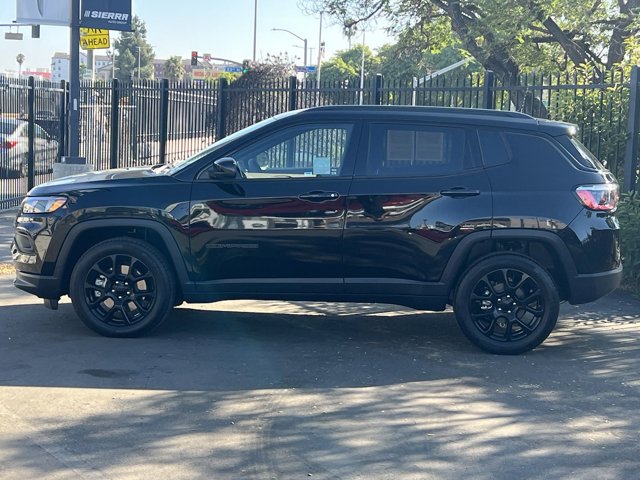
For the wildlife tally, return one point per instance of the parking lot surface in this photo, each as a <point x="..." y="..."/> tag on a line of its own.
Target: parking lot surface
<point x="278" y="390"/>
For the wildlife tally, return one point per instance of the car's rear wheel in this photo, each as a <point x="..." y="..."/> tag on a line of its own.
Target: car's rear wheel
<point x="506" y="304"/>
<point x="122" y="287"/>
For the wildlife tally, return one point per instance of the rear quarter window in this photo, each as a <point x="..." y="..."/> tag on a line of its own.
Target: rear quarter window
<point x="533" y="149"/>
<point x="581" y="154"/>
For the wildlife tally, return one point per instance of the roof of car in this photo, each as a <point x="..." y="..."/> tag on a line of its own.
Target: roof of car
<point x="475" y="116"/>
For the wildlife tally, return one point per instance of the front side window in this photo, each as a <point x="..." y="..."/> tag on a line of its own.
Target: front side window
<point x="415" y="150"/>
<point x="296" y="152"/>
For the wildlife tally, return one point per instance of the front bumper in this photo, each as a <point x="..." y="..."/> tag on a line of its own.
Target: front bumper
<point x="39" y="285"/>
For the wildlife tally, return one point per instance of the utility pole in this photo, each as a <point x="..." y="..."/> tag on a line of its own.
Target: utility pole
<point x="74" y="81"/>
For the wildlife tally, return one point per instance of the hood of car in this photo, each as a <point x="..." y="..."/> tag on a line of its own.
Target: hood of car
<point x="99" y="179"/>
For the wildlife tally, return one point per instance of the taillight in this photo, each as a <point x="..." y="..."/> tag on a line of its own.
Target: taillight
<point x="9" y="144"/>
<point x="600" y="197"/>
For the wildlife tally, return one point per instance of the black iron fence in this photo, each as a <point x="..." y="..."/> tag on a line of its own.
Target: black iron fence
<point x="32" y="135"/>
<point x="126" y="124"/>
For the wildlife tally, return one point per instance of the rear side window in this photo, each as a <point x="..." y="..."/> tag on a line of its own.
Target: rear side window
<point x="495" y="150"/>
<point x="401" y="150"/>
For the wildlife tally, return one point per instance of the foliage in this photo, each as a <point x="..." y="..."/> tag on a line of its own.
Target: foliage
<point x="264" y="87"/>
<point x="506" y="36"/>
<point x="174" y="69"/>
<point x="230" y="77"/>
<point x="274" y="67"/>
<point x="403" y="62"/>
<point x="346" y="64"/>
<point x="601" y="113"/>
<point x="132" y="46"/>
<point x="629" y="216"/>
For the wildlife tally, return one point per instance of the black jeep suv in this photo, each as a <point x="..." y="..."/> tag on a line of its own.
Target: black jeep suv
<point x="498" y="214"/>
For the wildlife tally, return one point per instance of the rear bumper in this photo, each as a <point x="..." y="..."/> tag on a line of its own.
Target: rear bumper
<point x="589" y="287"/>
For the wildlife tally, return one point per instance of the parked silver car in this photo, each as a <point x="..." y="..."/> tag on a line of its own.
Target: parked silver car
<point x="14" y="148"/>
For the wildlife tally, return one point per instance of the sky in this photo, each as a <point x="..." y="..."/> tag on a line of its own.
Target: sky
<point x="222" y="28"/>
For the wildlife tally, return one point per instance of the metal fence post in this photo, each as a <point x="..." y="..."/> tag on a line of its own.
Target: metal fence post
<point x="293" y="94"/>
<point x="115" y="123"/>
<point x="31" y="109"/>
<point x="633" y="130"/>
<point x="164" y="119"/>
<point x="221" y="110"/>
<point x="487" y="90"/>
<point x="377" y="90"/>
<point x="62" y="131"/>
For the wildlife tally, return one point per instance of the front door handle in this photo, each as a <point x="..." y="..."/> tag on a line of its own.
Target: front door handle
<point x="460" y="192"/>
<point x="318" y="196"/>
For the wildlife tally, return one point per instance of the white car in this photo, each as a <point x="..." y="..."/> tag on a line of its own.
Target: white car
<point x="14" y="148"/>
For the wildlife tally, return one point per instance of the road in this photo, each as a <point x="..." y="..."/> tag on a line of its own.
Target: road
<point x="279" y="390"/>
<point x="6" y="234"/>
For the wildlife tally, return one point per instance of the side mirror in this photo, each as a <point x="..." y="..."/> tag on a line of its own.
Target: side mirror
<point x="224" y="168"/>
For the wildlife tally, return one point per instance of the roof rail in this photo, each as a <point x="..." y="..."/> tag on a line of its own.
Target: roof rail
<point x="456" y="110"/>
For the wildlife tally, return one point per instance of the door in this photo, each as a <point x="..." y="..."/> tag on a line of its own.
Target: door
<point x="278" y="228"/>
<point x="417" y="192"/>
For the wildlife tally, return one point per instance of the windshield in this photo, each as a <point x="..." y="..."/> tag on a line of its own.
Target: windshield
<point x="220" y="143"/>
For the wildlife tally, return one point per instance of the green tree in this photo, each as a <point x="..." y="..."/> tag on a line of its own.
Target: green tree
<point x="133" y="49"/>
<point x="507" y="36"/>
<point x="269" y="76"/>
<point x="174" y="69"/>
<point x="20" y="59"/>
<point x="401" y="62"/>
<point x="346" y="64"/>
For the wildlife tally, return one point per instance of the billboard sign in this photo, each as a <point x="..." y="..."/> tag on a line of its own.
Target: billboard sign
<point x="44" y="12"/>
<point x="106" y="14"/>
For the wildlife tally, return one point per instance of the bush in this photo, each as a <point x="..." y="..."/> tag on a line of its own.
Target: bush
<point x="629" y="216"/>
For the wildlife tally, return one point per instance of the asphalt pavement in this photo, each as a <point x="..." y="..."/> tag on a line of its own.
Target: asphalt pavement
<point x="6" y="234"/>
<point x="288" y="390"/>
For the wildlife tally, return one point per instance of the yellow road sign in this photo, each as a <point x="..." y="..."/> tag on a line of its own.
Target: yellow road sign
<point x="94" y="38"/>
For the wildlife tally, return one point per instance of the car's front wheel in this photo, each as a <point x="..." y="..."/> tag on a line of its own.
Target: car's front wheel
<point x="122" y="287"/>
<point x="506" y="304"/>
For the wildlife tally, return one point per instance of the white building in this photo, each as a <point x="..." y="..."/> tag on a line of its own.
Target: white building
<point x="60" y="66"/>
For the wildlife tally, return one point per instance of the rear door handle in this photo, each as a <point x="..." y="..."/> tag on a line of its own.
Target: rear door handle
<point x="318" y="196"/>
<point x="459" y="192"/>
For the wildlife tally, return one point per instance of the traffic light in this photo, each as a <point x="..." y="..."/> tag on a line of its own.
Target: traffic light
<point x="35" y="31"/>
<point x="245" y="66"/>
<point x="194" y="59"/>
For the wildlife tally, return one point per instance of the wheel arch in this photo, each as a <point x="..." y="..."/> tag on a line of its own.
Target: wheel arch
<point x="87" y="233"/>
<point x="545" y="248"/>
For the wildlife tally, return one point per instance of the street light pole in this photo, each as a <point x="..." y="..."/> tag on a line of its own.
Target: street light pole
<point x="319" y="67"/>
<point x="255" y="27"/>
<point x="304" y="40"/>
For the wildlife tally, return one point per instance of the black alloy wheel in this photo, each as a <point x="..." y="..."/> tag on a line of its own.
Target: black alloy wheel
<point x="507" y="304"/>
<point x="122" y="287"/>
<point x="120" y="290"/>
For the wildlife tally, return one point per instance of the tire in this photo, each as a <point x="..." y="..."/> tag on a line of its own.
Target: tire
<point x="122" y="287"/>
<point x="506" y="304"/>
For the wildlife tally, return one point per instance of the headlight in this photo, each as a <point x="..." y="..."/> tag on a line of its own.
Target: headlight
<point x="42" y="204"/>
